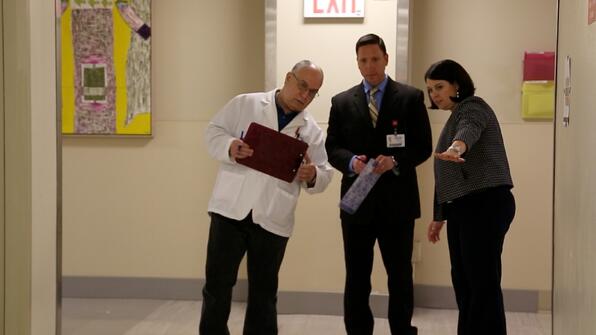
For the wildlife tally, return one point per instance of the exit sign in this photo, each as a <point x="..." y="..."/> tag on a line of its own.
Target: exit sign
<point x="333" y="8"/>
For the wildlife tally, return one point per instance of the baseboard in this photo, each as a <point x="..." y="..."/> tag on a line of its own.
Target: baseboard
<point x="140" y="288"/>
<point x="289" y="302"/>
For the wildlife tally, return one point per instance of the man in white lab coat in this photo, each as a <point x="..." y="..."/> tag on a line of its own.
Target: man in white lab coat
<point x="252" y="212"/>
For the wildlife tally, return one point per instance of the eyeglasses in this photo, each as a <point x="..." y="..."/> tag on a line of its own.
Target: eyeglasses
<point x="303" y="87"/>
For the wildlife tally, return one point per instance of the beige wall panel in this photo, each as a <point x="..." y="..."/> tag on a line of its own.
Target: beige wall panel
<point x="527" y="254"/>
<point x="575" y="213"/>
<point x="204" y="53"/>
<point x="137" y="207"/>
<point x="17" y="156"/>
<point x="44" y="167"/>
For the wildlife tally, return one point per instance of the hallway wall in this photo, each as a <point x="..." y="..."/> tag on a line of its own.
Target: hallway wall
<point x="29" y="168"/>
<point x="574" y="268"/>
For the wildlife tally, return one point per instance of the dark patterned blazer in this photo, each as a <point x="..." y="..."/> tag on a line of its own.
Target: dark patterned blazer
<point x="350" y="132"/>
<point x="475" y="123"/>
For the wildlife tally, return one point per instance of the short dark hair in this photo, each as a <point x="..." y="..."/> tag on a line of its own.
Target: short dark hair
<point x="371" y="39"/>
<point x="450" y="71"/>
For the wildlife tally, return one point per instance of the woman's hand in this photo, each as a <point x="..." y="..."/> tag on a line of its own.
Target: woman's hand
<point x="453" y="153"/>
<point x="434" y="231"/>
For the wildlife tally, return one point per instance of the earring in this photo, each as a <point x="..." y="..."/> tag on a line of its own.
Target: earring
<point x="457" y="94"/>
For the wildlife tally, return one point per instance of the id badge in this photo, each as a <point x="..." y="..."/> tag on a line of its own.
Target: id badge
<point x="396" y="141"/>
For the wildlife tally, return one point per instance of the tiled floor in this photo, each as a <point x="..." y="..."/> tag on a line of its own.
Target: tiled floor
<point x="160" y="317"/>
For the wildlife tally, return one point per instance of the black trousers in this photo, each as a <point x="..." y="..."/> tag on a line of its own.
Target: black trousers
<point x="395" y="240"/>
<point x="229" y="240"/>
<point x="476" y="228"/>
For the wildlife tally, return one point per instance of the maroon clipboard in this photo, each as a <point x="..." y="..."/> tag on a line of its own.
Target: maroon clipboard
<point x="275" y="153"/>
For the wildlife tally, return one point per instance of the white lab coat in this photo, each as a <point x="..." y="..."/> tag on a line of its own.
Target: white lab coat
<point x="239" y="189"/>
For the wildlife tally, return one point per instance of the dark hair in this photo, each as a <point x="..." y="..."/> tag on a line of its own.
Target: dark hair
<point x="453" y="73"/>
<point x="371" y="39"/>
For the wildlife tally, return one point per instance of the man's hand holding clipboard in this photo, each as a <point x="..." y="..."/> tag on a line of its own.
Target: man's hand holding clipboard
<point x="274" y="153"/>
<point x="307" y="172"/>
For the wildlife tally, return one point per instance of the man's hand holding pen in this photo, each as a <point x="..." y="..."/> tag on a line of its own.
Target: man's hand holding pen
<point x="359" y="163"/>
<point x="239" y="149"/>
<point x="307" y="172"/>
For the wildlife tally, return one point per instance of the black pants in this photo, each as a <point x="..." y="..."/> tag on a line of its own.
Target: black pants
<point x="229" y="240"/>
<point x="395" y="240"/>
<point x="476" y="228"/>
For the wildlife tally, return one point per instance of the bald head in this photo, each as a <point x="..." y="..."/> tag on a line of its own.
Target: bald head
<point x="306" y="63"/>
<point x="301" y="85"/>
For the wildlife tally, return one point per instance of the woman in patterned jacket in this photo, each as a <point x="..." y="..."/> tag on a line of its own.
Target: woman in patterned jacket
<point x="472" y="195"/>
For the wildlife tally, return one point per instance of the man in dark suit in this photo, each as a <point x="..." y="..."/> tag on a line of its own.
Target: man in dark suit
<point x="392" y="128"/>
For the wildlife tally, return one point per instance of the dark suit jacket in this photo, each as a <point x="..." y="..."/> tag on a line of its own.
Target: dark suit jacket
<point x="350" y="132"/>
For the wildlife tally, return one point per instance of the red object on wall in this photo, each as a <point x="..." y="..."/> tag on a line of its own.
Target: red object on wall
<point x="539" y="65"/>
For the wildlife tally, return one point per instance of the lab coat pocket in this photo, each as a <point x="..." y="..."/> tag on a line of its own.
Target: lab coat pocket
<point x="281" y="208"/>
<point x="227" y="187"/>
